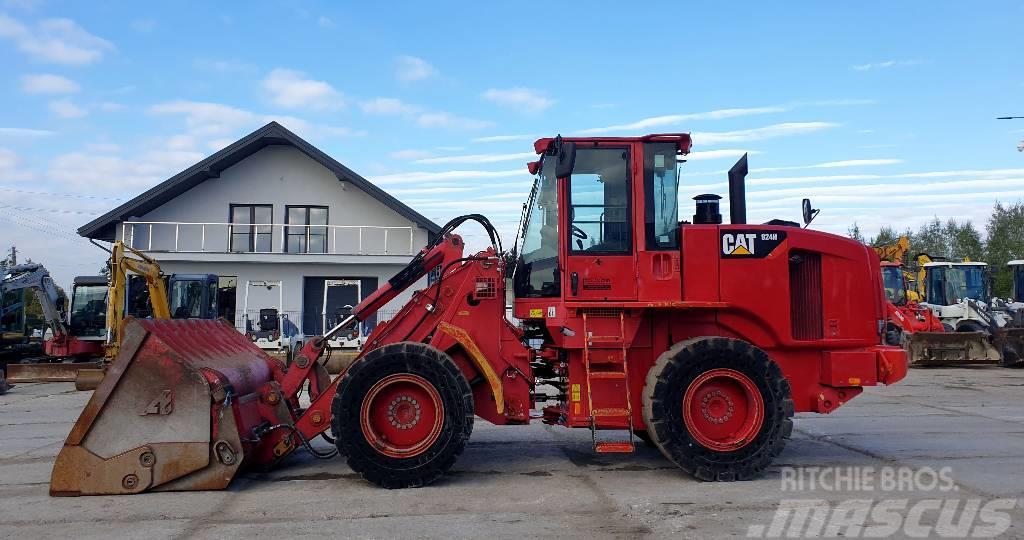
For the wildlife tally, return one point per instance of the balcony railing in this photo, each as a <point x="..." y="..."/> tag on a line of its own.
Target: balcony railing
<point x="188" y="237"/>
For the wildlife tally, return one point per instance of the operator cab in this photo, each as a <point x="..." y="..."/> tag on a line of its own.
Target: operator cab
<point x="947" y="283"/>
<point x="894" y="283"/>
<point x="1017" y="273"/>
<point x="193" y="296"/>
<point x="590" y="223"/>
<point x="87" y="318"/>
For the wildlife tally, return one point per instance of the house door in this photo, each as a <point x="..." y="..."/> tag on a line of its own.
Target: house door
<point x="340" y="296"/>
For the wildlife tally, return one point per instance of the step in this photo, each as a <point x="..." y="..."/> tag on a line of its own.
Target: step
<point x="609" y="447"/>
<point x="611" y="411"/>
<point x="607" y="375"/>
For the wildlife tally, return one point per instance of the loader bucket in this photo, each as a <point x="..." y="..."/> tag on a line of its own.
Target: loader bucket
<point x="1010" y="342"/>
<point x="951" y="348"/>
<point x="163" y="416"/>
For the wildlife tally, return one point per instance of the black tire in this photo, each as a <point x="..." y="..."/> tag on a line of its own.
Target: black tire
<point x="406" y="358"/>
<point x="667" y="383"/>
<point x="645" y="437"/>
<point x="893" y="334"/>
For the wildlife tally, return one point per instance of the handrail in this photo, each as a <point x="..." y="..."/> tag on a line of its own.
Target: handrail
<point x="172" y="235"/>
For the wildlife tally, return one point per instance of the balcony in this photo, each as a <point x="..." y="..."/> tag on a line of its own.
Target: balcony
<point x="277" y="239"/>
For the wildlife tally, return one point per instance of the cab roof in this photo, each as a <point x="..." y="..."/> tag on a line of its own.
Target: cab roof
<point x="681" y="139"/>
<point x="955" y="263"/>
<point x="1018" y="262"/>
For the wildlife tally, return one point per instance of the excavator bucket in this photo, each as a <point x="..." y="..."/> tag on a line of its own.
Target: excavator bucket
<point x="951" y="348"/>
<point x="169" y="412"/>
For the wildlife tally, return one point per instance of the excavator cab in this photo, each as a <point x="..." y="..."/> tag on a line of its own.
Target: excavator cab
<point x="87" y="318"/>
<point x="948" y="283"/>
<point x="193" y="296"/>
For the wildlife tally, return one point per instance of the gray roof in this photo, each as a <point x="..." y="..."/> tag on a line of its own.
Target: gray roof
<point x="103" y="227"/>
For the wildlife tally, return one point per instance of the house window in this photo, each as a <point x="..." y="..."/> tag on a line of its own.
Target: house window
<point x="251" y="227"/>
<point x="307" y="229"/>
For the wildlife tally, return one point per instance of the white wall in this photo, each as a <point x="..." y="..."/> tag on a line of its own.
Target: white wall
<point x="281" y="176"/>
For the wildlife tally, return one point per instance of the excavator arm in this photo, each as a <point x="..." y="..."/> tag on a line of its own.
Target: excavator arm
<point x="120" y="265"/>
<point x="35" y="276"/>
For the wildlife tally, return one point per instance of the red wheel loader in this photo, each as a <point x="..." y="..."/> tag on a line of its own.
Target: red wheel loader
<point x="701" y="337"/>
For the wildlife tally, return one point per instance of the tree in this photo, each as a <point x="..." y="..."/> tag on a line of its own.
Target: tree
<point x="886" y="235"/>
<point x="964" y="241"/>
<point x="854" y="232"/>
<point x="1004" y="243"/>
<point x="931" y="239"/>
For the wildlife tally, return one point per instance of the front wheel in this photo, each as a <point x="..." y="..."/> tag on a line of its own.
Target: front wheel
<point x="718" y="408"/>
<point x="402" y="415"/>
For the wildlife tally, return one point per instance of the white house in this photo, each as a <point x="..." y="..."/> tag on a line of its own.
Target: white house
<point x="284" y="226"/>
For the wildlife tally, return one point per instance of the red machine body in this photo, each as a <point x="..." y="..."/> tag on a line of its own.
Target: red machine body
<point x="905" y="317"/>
<point x="615" y="299"/>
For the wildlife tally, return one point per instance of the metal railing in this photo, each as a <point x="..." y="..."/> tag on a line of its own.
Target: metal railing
<point x="190" y="237"/>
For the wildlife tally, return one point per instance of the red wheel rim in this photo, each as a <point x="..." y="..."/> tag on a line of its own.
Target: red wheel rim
<point x="723" y="410"/>
<point x="402" y="415"/>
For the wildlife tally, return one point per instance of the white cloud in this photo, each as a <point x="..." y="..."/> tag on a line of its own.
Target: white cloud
<point x="442" y="176"/>
<point x="886" y="64"/>
<point x="58" y="41"/>
<point x="64" y="108"/>
<point x="11" y="168"/>
<point x="702" y="155"/>
<point x="223" y="66"/>
<point x="207" y="118"/>
<point x="451" y="121"/>
<point x="757" y="134"/>
<point x="523" y="99"/>
<point x="388" y="106"/>
<point x="144" y="26"/>
<point x="325" y="22"/>
<point x="114" y="173"/>
<point x="103" y="147"/>
<point x="676" y="119"/>
<point x="292" y="89"/>
<point x="405" y="155"/>
<point x="410" y="68"/>
<point x="428" y="190"/>
<point x="24" y="132"/>
<point x="110" y="106"/>
<point x="478" y="158"/>
<point x="504" y="138"/>
<point x="208" y="121"/>
<point x="46" y="83"/>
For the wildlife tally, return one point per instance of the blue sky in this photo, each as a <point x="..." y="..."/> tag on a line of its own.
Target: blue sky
<point x="882" y="112"/>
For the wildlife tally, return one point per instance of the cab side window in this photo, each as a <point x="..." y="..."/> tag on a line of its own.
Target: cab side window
<point x="599" y="202"/>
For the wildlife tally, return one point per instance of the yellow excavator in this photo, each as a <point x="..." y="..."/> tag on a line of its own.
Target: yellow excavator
<point x="120" y="266"/>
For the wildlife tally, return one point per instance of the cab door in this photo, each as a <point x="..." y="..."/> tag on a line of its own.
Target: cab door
<point x="598" y="232"/>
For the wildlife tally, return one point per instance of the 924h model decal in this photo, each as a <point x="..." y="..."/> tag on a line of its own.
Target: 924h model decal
<point x="749" y="244"/>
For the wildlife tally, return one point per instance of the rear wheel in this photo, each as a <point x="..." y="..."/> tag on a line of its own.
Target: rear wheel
<point x="718" y="408"/>
<point x="402" y="415"/>
<point x="969" y="326"/>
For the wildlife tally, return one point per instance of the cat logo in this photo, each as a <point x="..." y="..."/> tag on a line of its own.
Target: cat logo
<point x="738" y="244"/>
<point x="750" y="244"/>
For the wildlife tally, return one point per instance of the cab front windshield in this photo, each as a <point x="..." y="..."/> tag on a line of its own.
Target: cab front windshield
<point x="536" y="273"/>
<point x="89" y="311"/>
<point x="892" y="280"/>
<point x="948" y="285"/>
<point x="1018" y="283"/>
<point x="187" y="299"/>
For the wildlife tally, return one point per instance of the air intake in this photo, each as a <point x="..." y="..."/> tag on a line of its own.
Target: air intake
<point x="707" y="210"/>
<point x="805" y="304"/>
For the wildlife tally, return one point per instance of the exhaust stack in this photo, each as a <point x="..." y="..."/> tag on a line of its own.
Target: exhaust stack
<point x="738" y="192"/>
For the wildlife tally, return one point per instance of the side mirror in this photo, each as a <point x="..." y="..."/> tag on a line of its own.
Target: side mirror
<point x="566" y="160"/>
<point x="533" y="167"/>
<point x="809" y="212"/>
